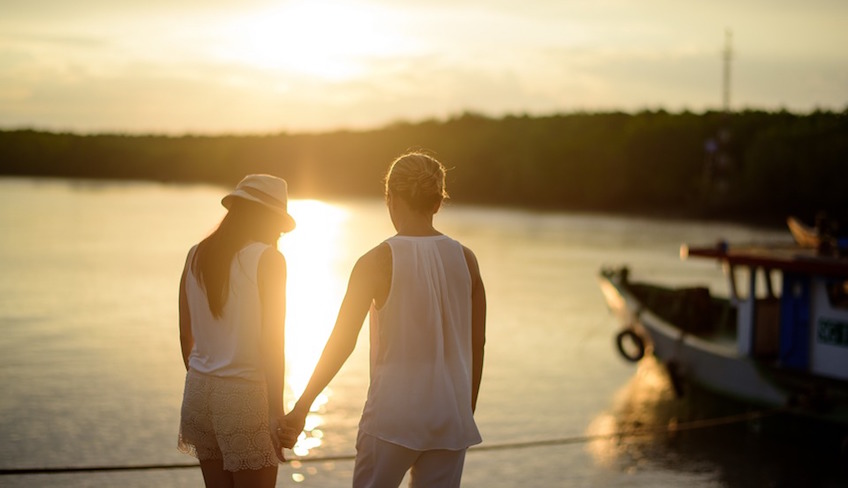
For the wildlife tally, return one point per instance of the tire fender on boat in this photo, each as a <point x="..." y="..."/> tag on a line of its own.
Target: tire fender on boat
<point x="634" y="351"/>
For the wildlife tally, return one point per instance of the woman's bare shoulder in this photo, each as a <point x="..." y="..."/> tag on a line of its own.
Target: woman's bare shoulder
<point x="375" y="259"/>
<point x="272" y="263"/>
<point x="272" y="255"/>
<point x="470" y="257"/>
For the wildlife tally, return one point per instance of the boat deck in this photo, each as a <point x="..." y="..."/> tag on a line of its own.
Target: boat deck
<point x="693" y="310"/>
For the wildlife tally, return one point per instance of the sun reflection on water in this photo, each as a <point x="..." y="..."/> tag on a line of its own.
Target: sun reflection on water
<point x="640" y="407"/>
<point x="314" y="290"/>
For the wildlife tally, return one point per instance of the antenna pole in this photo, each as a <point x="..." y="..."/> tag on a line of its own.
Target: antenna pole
<point x="727" y="54"/>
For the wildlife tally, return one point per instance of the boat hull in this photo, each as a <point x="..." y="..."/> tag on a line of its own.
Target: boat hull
<point x="689" y="358"/>
<point x="715" y="363"/>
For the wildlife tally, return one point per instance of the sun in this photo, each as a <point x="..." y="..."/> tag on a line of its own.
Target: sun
<point x="328" y="39"/>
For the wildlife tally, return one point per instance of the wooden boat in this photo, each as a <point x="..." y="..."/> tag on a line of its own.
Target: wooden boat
<point x="827" y="235"/>
<point x="780" y="341"/>
<point x="804" y="235"/>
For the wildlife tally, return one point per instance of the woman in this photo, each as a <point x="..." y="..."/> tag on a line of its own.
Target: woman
<point x="428" y="319"/>
<point x="232" y="323"/>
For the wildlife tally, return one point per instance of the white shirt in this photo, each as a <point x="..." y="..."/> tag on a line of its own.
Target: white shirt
<point x="229" y="346"/>
<point x="421" y="356"/>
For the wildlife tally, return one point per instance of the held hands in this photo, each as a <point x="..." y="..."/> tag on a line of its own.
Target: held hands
<point x="290" y="428"/>
<point x="277" y="426"/>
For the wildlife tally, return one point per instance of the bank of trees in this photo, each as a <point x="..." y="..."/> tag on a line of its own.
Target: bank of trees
<point x="748" y="165"/>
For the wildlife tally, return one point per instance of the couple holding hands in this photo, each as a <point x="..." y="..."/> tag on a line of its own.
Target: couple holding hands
<point x="427" y="306"/>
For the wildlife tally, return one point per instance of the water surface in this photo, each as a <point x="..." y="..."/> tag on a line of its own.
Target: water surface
<point x="91" y="372"/>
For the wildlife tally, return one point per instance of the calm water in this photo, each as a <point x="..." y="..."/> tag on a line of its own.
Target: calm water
<point x="91" y="374"/>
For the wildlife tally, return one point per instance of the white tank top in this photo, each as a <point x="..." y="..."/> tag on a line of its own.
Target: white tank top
<point x="421" y="359"/>
<point x="228" y="346"/>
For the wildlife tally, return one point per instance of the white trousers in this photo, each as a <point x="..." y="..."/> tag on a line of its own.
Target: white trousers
<point x="381" y="464"/>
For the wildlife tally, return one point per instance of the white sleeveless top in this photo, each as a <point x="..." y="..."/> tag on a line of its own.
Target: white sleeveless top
<point x="228" y="346"/>
<point x="421" y="358"/>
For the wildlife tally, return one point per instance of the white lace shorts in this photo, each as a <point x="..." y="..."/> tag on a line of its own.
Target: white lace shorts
<point x="226" y="418"/>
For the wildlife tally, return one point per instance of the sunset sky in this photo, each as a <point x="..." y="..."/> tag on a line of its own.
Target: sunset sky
<point x="260" y="66"/>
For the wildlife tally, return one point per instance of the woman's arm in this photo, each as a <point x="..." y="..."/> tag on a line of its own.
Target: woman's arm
<point x="271" y="278"/>
<point x="186" y="338"/>
<point x="478" y="324"/>
<point x="360" y="293"/>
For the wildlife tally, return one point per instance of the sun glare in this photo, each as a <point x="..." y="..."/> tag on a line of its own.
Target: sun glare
<point x="314" y="291"/>
<point x="331" y="40"/>
<point x="314" y="286"/>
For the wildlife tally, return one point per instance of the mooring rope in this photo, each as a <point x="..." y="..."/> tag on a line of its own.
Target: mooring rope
<point x="670" y="428"/>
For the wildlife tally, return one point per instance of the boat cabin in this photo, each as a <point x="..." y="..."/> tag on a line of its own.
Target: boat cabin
<point x="792" y="306"/>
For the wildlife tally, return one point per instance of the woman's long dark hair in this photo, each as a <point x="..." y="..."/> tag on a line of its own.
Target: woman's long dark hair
<point x="245" y="222"/>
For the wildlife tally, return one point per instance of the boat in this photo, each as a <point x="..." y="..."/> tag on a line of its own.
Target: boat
<point x="826" y="235"/>
<point x="804" y="235"/>
<point x="778" y="340"/>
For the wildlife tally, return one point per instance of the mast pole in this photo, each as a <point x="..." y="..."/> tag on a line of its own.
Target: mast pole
<point x="727" y="55"/>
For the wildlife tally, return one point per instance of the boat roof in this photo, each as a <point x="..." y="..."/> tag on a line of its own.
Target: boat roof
<point x="785" y="257"/>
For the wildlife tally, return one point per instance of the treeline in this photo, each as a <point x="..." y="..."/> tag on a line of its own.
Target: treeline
<point x="744" y="166"/>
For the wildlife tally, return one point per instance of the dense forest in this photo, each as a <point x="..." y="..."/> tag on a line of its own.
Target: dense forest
<point x="753" y="165"/>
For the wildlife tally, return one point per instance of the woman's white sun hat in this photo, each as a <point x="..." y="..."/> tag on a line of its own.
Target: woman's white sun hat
<point x="268" y="190"/>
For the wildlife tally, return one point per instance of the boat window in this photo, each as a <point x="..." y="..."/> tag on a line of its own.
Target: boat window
<point x="741" y="282"/>
<point x="776" y="278"/>
<point x="837" y="292"/>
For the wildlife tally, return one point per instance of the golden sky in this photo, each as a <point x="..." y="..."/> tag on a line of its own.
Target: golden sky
<point x="250" y="66"/>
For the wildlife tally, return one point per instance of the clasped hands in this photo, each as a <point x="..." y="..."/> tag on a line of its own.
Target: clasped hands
<point x="289" y="428"/>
